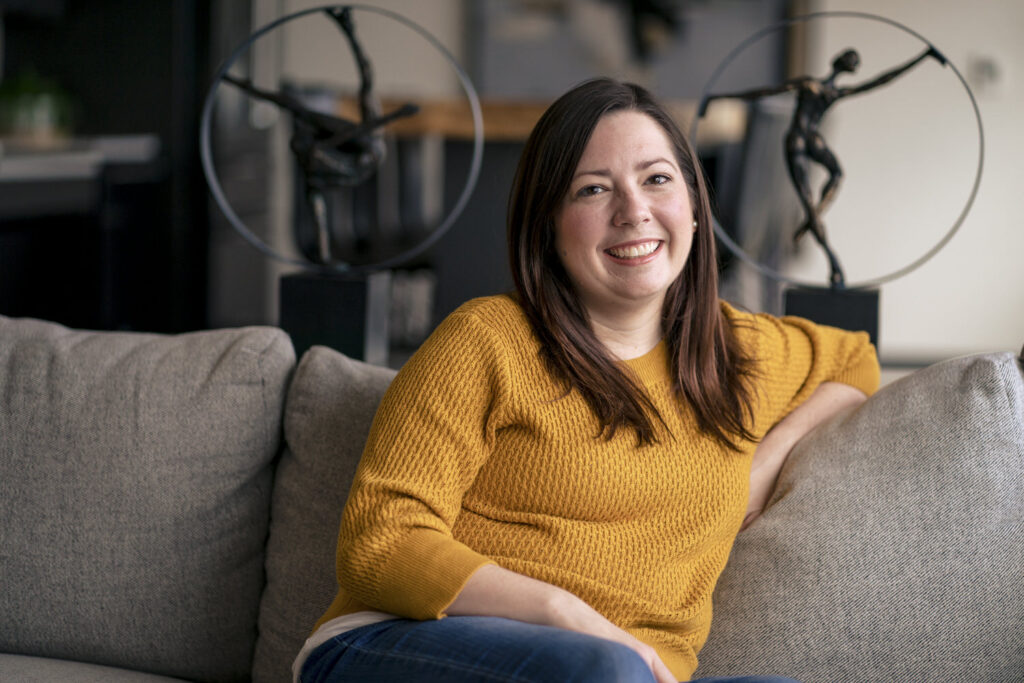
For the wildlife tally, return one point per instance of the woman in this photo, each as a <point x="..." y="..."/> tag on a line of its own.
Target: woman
<point x="552" y="484"/>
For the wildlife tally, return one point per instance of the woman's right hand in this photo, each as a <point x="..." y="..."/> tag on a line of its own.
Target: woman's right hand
<point x="569" y="612"/>
<point x="495" y="591"/>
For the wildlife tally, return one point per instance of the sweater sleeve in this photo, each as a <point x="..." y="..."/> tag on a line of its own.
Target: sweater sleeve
<point x="431" y="434"/>
<point x="794" y="356"/>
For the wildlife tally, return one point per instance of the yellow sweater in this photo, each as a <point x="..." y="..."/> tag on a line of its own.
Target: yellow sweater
<point x="474" y="458"/>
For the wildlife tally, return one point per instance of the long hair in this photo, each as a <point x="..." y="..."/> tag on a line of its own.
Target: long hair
<point x="709" y="368"/>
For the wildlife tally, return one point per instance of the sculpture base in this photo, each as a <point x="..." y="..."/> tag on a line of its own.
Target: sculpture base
<point x="849" y="309"/>
<point x="348" y="313"/>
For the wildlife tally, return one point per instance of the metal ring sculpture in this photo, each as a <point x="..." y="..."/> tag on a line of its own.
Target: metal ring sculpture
<point x="758" y="35"/>
<point x="340" y="267"/>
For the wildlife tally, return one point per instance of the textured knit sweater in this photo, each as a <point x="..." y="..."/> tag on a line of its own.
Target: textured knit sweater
<point x="478" y="455"/>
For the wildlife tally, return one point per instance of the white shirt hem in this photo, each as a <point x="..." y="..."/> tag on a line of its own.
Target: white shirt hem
<point x="332" y="628"/>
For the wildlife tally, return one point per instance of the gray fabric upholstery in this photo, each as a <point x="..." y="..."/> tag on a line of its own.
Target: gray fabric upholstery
<point x="22" y="669"/>
<point x="894" y="550"/>
<point x="330" y="406"/>
<point x="136" y="474"/>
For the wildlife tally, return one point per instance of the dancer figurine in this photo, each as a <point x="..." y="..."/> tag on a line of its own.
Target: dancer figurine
<point x="804" y="141"/>
<point x="332" y="151"/>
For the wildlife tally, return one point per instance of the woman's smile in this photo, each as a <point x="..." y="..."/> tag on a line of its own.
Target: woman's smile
<point x="634" y="252"/>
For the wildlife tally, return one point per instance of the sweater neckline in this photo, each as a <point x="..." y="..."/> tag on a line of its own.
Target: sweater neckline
<point x="653" y="366"/>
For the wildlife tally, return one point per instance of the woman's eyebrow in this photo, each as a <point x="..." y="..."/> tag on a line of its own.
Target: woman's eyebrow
<point x="600" y="172"/>
<point x="647" y="164"/>
<point x="639" y="167"/>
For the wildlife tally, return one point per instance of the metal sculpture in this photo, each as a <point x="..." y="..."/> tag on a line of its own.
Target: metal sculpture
<point x="332" y="151"/>
<point x="804" y="142"/>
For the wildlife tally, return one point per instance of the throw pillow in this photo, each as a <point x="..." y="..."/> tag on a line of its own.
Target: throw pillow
<point x="135" y="474"/>
<point x="331" y="403"/>
<point x="894" y="547"/>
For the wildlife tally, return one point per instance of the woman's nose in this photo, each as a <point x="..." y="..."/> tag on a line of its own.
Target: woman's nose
<point x="630" y="210"/>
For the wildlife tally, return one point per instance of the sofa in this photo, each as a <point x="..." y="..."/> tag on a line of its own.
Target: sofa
<point x="169" y="506"/>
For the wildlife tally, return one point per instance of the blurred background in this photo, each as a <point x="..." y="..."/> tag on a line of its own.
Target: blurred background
<point x="106" y="221"/>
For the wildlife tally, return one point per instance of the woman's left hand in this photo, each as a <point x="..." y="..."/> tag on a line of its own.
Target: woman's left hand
<point x="829" y="399"/>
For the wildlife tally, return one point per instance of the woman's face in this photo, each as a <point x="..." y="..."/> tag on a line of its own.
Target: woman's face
<point x="624" y="230"/>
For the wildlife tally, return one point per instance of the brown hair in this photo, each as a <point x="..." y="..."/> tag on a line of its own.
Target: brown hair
<point x="709" y="368"/>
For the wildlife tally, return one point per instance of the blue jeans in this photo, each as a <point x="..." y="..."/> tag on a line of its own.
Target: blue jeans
<point x="479" y="650"/>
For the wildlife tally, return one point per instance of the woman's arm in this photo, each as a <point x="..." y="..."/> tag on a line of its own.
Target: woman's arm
<point x="429" y="439"/>
<point x="829" y="399"/>
<point x="494" y="591"/>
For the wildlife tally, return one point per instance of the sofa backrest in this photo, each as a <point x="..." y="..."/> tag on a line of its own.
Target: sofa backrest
<point x="135" y="481"/>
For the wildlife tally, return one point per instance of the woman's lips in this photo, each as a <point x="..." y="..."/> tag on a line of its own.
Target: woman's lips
<point x="634" y="250"/>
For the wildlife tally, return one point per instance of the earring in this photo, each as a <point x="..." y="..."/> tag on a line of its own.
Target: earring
<point x="695" y="223"/>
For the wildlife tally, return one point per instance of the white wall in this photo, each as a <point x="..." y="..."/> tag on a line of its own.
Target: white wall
<point x="404" y="62"/>
<point x="910" y="154"/>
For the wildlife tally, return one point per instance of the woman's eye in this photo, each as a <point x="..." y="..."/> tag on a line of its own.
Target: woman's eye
<point x="658" y="179"/>
<point x="589" y="191"/>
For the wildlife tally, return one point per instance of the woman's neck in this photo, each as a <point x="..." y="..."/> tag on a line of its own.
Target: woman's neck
<point x="628" y="336"/>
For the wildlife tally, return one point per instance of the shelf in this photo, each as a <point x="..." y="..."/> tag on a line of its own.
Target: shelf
<point x="512" y="120"/>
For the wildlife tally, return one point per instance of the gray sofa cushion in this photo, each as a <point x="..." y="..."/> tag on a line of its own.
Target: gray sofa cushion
<point x="23" y="669"/>
<point x="136" y="474"/>
<point x="894" y="549"/>
<point x="330" y="406"/>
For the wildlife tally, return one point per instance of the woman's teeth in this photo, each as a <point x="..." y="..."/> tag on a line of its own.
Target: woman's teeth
<point x="634" y="251"/>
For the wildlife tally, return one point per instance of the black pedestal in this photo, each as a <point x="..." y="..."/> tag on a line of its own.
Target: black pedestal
<point x="849" y="309"/>
<point x="346" y="313"/>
